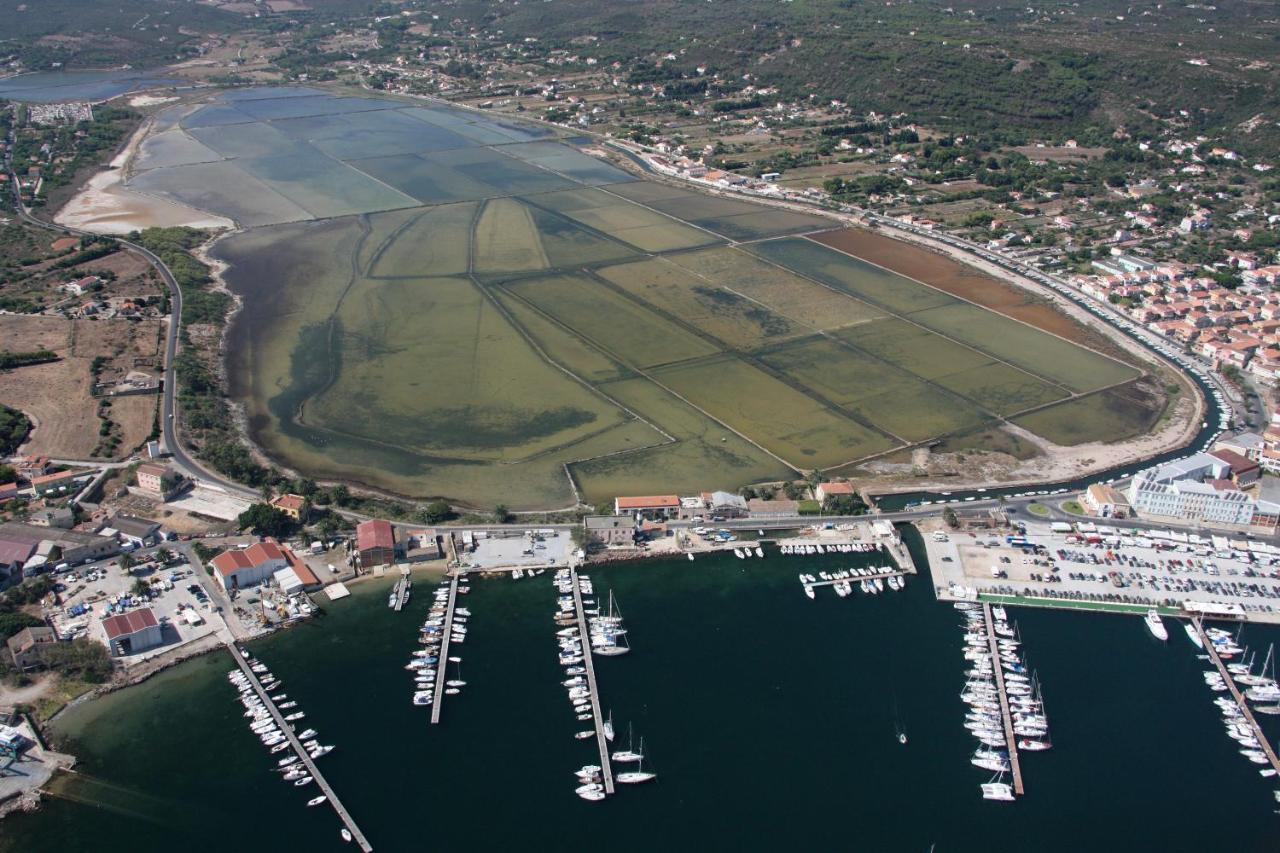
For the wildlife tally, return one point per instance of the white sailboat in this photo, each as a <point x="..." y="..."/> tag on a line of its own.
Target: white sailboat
<point x="635" y="777"/>
<point x="1193" y="635"/>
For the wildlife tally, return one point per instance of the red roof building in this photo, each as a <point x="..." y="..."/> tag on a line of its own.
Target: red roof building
<point x="376" y="543"/>
<point x="132" y="632"/>
<point x="657" y="504"/>
<point x="243" y="567"/>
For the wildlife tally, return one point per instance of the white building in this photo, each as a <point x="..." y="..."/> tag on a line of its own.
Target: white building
<point x="1197" y="489"/>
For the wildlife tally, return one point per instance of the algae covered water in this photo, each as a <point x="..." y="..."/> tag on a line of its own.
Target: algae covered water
<point x="770" y="719"/>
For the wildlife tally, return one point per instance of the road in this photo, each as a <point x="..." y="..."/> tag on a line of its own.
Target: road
<point x="168" y="402"/>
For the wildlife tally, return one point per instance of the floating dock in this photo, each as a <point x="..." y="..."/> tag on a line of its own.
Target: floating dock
<point x="300" y="751"/>
<point x="402" y="586"/>
<point x="1011" y="742"/>
<point x="442" y="664"/>
<point x="606" y="768"/>
<point x="1236" y="695"/>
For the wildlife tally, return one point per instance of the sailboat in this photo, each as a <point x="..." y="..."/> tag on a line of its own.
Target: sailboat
<point x="635" y="777"/>
<point x="995" y="790"/>
<point x="607" y="638"/>
<point x="608" y="728"/>
<point x="626" y="756"/>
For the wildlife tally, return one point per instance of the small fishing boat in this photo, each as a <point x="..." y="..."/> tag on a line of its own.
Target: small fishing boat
<point x="315" y="801"/>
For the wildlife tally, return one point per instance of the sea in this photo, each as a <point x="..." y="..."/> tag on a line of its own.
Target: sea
<point x="770" y="719"/>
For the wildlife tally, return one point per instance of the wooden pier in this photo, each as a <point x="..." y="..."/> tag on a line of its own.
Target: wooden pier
<point x="300" y="751"/>
<point x="606" y="769"/>
<point x="442" y="660"/>
<point x="1237" y="695"/>
<point x="1011" y="742"/>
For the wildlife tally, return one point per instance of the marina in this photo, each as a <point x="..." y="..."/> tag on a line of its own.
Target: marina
<point x="301" y="753"/>
<point x="588" y="663"/>
<point x="1245" y="713"/>
<point x="442" y="665"/>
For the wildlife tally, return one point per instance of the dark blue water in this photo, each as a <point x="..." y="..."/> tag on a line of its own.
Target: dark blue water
<point x="769" y="718"/>
<point x="61" y="86"/>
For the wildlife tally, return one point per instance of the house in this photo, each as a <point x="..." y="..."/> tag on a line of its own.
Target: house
<point x="8" y="491"/>
<point x="29" y="467"/>
<point x="422" y="545"/>
<point x="141" y="532"/>
<point x="1104" y="501"/>
<point x="1247" y="444"/>
<point x="660" y="505"/>
<point x="610" y="529"/>
<point x="376" y="543"/>
<point x="239" y="568"/>
<point x="27" y="647"/>
<point x="159" y="480"/>
<point x="132" y="632"/>
<point x="294" y="506"/>
<point x="62" y="483"/>
<point x="827" y="490"/>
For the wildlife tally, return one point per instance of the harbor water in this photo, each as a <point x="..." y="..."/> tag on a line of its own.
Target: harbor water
<point x="771" y="721"/>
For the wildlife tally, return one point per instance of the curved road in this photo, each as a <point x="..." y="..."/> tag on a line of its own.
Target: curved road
<point x="168" y="408"/>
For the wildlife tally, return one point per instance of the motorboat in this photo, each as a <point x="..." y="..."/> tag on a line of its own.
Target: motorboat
<point x="997" y="791"/>
<point x="305" y="780"/>
<point x="1156" y="626"/>
<point x="315" y="801"/>
<point x="1193" y="635"/>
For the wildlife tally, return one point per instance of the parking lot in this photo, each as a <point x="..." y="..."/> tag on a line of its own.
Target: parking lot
<point x="179" y="602"/>
<point x="528" y="548"/>
<point x="1133" y="569"/>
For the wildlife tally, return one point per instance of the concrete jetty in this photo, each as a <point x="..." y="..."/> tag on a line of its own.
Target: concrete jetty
<point x="402" y="586"/>
<point x="300" y="751"/>
<point x="602" y="742"/>
<point x="442" y="665"/>
<point x="1237" y="695"/>
<point x="1011" y="742"/>
<point x="857" y="578"/>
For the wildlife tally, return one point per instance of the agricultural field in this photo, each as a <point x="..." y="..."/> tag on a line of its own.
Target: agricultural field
<point x="496" y="316"/>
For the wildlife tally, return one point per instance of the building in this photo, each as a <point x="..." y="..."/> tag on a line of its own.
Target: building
<point x="422" y="545"/>
<point x="376" y="543"/>
<point x="56" y="516"/>
<point x="1104" y="501"/>
<point x="610" y="529"/>
<point x="141" y="532"/>
<point x="8" y="491"/>
<point x="239" y="568"/>
<point x="1198" y="490"/>
<point x="296" y="576"/>
<point x="27" y="647"/>
<point x="724" y="504"/>
<point x="159" y="480"/>
<point x="133" y="632"/>
<point x="827" y="490"/>
<point x="1244" y="472"/>
<point x="294" y="506"/>
<point x="30" y="467"/>
<point x="665" y="506"/>
<point x="67" y="546"/>
<point x="61" y="483"/>
<point x="1250" y="445"/>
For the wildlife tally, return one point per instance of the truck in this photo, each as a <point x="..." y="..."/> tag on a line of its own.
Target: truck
<point x="1061" y="527"/>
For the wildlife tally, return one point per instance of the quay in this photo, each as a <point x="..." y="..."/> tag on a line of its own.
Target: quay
<point x="300" y="751"/>
<point x="1236" y="695"/>
<point x="402" y="586"/>
<point x="854" y="578"/>
<point x="442" y="664"/>
<point x="1011" y="743"/>
<point x="606" y="768"/>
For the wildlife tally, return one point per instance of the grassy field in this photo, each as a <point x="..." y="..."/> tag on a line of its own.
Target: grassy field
<point x="489" y="320"/>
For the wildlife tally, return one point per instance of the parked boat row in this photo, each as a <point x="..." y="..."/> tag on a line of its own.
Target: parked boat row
<point x="1252" y="687"/>
<point x="834" y="548"/>
<point x="577" y="681"/>
<point x="263" y="724"/>
<point x="985" y="718"/>
<point x="425" y="664"/>
<point x="871" y="580"/>
<point x="400" y="594"/>
<point x="744" y="553"/>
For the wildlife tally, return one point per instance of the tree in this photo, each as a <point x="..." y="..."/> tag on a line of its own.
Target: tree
<point x="580" y="537"/>
<point x="126" y="563"/>
<point x="436" y="512"/>
<point x="501" y="514"/>
<point x="141" y="588"/>
<point x="844" y="505"/>
<point x="265" y="520"/>
<point x="949" y="516"/>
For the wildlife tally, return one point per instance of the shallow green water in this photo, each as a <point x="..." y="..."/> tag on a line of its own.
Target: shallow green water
<point x="770" y="719"/>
